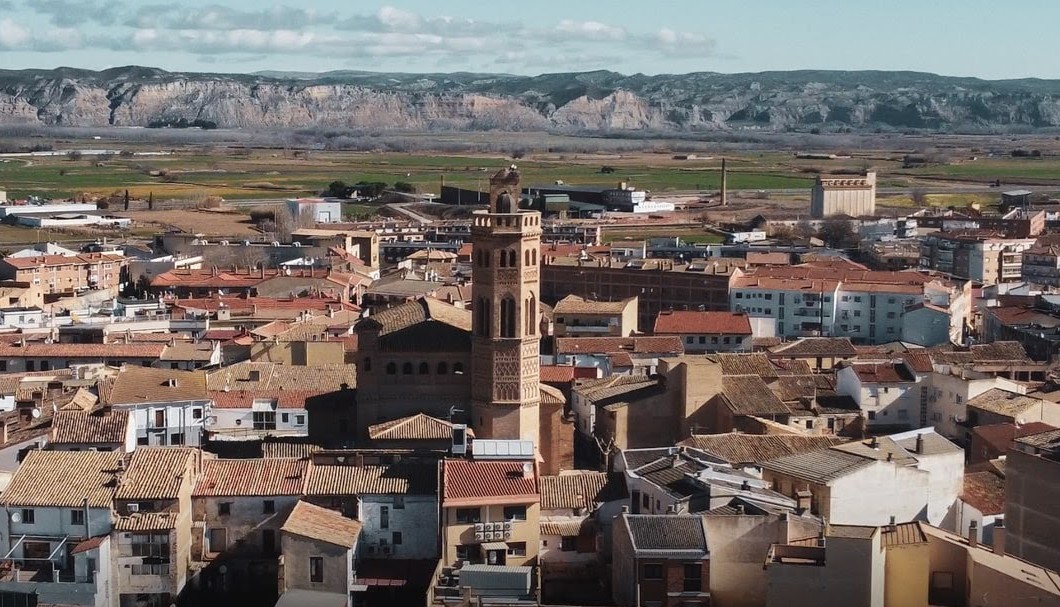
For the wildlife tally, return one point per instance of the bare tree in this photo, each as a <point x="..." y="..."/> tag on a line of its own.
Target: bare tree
<point x="283" y="223"/>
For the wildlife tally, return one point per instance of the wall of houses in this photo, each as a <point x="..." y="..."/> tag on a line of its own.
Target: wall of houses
<point x="53" y="523"/>
<point x="852" y="575"/>
<point x="414" y="517"/>
<point x="292" y="422"/>
<point x="883" y="403"/>
<point x="132" y="581"/>
<point x="182" y="422"/>
<point x="338" y="565"/>
<point x="1032" y="491"/>
<point x="455" y="534"/>
<point x="246" y="521"/>
<point x="948" y="396"/>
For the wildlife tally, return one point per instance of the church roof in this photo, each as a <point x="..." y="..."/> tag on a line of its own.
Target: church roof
<point x="412" y="313"/>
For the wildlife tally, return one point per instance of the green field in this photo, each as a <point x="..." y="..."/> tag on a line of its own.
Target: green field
<point x="270" y="175"/>
<point x="1010" y="169"/>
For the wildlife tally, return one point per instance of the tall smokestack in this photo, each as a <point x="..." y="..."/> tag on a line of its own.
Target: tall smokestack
<point x="724" y="184"/>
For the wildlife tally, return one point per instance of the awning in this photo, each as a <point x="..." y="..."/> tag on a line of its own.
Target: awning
<point x="495" y="546"/>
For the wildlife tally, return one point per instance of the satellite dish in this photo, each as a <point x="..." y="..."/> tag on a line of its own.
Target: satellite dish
<point x="16" y="517"/>
<point x="35" y="413"/>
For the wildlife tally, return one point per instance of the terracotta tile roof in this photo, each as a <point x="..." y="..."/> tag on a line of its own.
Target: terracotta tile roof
<point x="880" y="448"/>
<point x="90" y="544"/>
<point x="1045" y="441"/>
<point x="244" y="399"/>
<point x="156" y="473"/>
<point x="488" y="482"/>
<point x="1000" y="436"/>
<point x="64" y="479"/>
<point x="750" y="395"/>
<point x="9" y="382"/>
<point x="582" y="489"/>
<point x="288" y="448"/>
<point x="660" y="344"/>
<point x="397" y="479"/>
<point x="902" y="534"/>
<point x="147" y="521"/>
<point x="134" y="385"/>
<point x="551" y="395"/>
<point x="557" y="374"/>
<point x="666" y="532"/>
<point x="817" y="466"/>
<point x="816" y="346"/>
<point x="741" y="449"/>
<point x="573" y="304"/>
<point x="919" y="361"/>
<point x="268" y="376"/>
<point x="758" y="364"/>
<point x="415" y="427"/>
<point x="567" y="528"/>
<point x="99" y="352"/>
<point x="882" y="373"/>
<point x="251" y="477"/>
<point x="716" y="323"/>
<point x="187" y="351"/>
<point x="1003" y="402"/>
<point x="214" y="278"/>
<point x="76" y="427"/>
<point x="39" y="261"/>
<point x="423" y="309"/>
<point x="984" y="491"/>
<point x="323" y="525"/>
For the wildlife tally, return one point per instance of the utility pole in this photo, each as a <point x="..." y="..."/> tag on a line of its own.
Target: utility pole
<point x="724" y="184"/>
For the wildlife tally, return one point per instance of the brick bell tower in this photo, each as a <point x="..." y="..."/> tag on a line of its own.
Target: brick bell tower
<point x="506" y="375"/>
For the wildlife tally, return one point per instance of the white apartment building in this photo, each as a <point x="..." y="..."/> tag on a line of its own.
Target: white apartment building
<point x="888" y="393"/>
<point x="868" y="307"/>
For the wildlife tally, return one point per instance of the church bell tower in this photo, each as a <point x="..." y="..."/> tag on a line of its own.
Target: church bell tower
<point x="505" y="380"/>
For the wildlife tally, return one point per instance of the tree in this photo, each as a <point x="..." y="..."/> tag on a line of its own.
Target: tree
<point x="919" y="197"/>
<point x="73" y="155"/>
<point x="803" y="229"/>
<point x="405" y="187"/>
<point x="373" y="189"/>
<point x="838" y="233"/>
<point x="283" y="223"/>
<point x="338" y="189"/>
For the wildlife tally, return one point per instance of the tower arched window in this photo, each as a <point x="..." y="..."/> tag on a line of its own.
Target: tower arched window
<point x="425" y="369"/>
<point x="406" y="369"/>
<point x="391" y="369"/>
<point x="367" y="363"/>
<point x="533" y="257"/>
<point x="458" y="368"/>
<point x="503" y="261"/>
<point x="443" y="368"/>
<point x="526" y="262"/>
<point x="513" y="259"/>
<point x="483" y="312"/>
<point x="508" y="316"/>
<point x="531" y="315"/>
<point x="478" y="258"/>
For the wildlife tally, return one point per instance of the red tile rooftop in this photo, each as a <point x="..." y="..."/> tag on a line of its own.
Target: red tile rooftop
<point x="687" y="322"/>
<point x="488" y="482"/>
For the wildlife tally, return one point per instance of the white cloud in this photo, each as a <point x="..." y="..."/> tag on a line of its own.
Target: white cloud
<point x="12" y="35"/>
<point x="590" y="30"/>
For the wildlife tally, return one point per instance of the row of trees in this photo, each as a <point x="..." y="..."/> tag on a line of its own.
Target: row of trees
<point x="366" y="189"/>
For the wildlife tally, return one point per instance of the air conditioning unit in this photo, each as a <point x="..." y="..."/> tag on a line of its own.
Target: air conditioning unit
<point x="133" y="507"/>
<point x="507" y="535"/>
<point x="489" y="526"/>
<point x="479" y="536"/>
<point x="479" y="527"/>
<point x="508" y="526"/>
<point x="489" y="536"/>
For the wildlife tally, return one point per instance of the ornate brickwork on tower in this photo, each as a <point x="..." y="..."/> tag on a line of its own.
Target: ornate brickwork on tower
<point x="506" y="284"/>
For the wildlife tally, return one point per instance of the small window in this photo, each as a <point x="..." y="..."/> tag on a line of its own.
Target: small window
<point x="367" y="363"/>
<point x="27" y="516"/>
<point x="316" y="569"/>
<point x="651" y="571"/>
<point x="268" y="506"/>
<point x="424" y="369"/>
<point x="391" y="369"/>
<point x="299" y="420"/>
<point x="224" y="508"/>
<point x="468" y="515"/>
<point x="77" y="517"/>
<point x="399" y="502"/>
<point x="196" y="413"/>
<point x="458" y="368"/>
<point x="569" y="543"/>
<point x="285" y="417"/>
<point x="384" y="517"/>
<point x="872" y="415"/>
<point x="517" y="548"/>
<point x="515" y="513"/>
<point x="396" y="538"/>
<point x="693" y="577"/>
<point x="406" y="369"/>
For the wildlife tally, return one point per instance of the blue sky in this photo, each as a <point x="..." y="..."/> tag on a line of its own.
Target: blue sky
<point x="981" y="38"/>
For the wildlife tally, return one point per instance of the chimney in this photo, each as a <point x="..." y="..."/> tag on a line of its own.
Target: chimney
<point x="999" y="535"/>
<point x="745" y="486"/>
<point x="724" y="184"/>
<point x="671" y="509"/>
<point x="973" y="534"/>
<point x="919" y="443"/>
<point x="891" y="525"/>
<point x="625" y="509"/>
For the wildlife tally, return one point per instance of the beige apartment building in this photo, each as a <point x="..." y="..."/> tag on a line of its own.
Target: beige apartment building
<point x="979" y="255"/>
<point x="63" y="275"/>
<point x="575" y="316"/>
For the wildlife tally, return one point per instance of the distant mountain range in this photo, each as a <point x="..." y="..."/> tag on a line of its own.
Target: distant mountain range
<point x="590" y="101"/>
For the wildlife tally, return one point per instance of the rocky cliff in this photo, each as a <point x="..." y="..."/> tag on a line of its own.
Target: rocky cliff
<point x="593" y="101"/>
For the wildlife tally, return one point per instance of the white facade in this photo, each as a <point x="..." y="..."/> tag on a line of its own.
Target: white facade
<point x="950" y="390"/>
<point x="169" y="423"/>
<point x="410" y="519"/>
<point x="322" y="211"/>
<point x="873" y="494"/>
<point x="286" y="421"/>
<point x="36" y="209"/>
<point x="22" y="318"/>
<point x="882" y="403"/>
